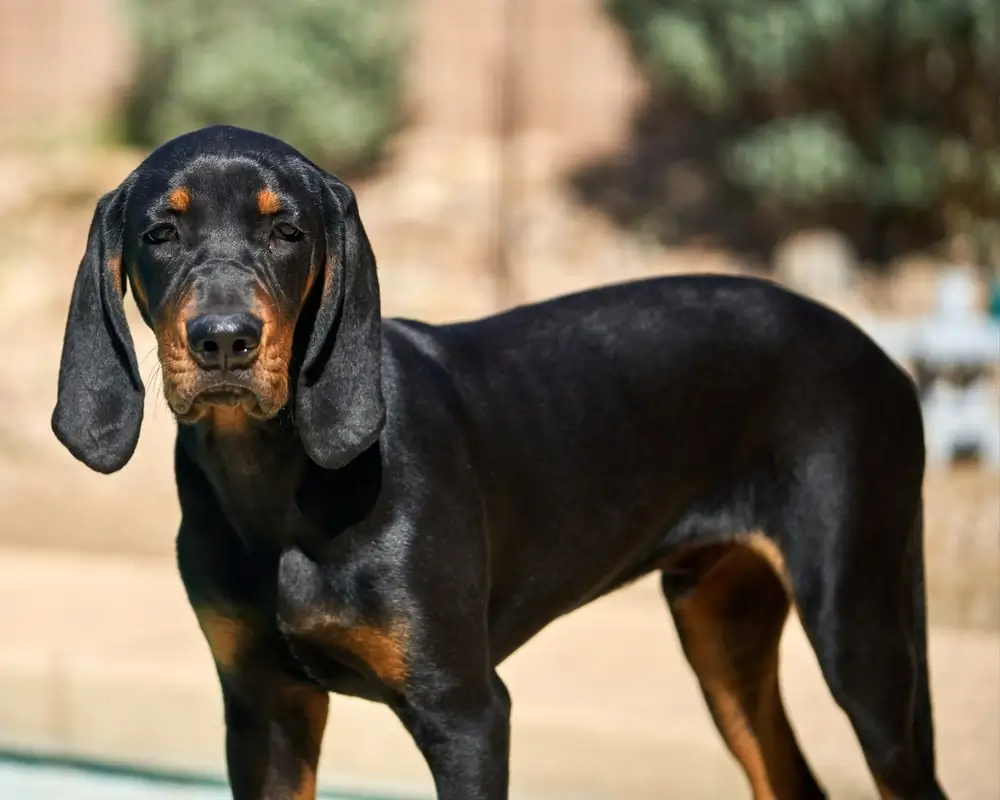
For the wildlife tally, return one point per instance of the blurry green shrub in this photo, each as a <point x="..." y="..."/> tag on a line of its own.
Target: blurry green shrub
<point x="325" y="75"/>
<point x="885" y="104"/>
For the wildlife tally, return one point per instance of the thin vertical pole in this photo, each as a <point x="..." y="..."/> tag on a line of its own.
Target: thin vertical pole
<point x="508" y="118"/>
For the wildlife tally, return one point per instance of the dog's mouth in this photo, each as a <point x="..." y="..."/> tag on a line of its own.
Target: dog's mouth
<point x="226" y="396"/>
<point x="239" y="398"/>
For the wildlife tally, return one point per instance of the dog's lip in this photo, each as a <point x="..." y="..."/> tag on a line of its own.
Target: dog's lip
<point x="231" y="391"/>
<point x="218" y="396"/>
<point x="221" y="390"/>
<point x="225" y="395"/>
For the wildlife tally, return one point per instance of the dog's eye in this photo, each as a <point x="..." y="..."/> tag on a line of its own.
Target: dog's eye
<point x="286" y="231"/>
<point x="159" y="234"/>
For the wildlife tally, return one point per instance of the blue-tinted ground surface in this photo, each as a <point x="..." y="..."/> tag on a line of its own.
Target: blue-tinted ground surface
<point x="20" y="780"/>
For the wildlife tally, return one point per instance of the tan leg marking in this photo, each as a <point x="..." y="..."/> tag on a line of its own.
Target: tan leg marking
<point x="228" y="637"/>
<point x="765" y="547"/>
<point x="383" y="651"/>
<point x="382" y="648"/>
<point x="315" y="706"/>
<point x="730" y="626"/>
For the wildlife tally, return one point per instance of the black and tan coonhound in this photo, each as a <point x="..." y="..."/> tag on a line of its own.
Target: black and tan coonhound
<point x="388" y="509"/>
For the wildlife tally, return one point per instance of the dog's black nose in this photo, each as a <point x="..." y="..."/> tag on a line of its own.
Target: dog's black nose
<point x="224" y="341"/>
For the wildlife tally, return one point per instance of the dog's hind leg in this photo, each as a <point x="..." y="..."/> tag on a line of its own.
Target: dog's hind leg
<point x="730" y="607"/>
<point x="860" y="593"/>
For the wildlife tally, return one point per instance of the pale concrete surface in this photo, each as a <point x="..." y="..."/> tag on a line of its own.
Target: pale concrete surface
<point x="19" y="781"/>
<point x="100" y="657"/>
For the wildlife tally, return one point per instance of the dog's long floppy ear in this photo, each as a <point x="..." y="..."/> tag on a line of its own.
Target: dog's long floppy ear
<point x="99" y="406"/>
<point x="340" y="410"/>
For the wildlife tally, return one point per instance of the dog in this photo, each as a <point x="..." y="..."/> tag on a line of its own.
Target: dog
<point x="388" y="509"/>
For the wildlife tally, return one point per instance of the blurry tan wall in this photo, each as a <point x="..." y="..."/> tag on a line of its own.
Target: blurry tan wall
<point x="62" y="62"/>
<point x="577" y="87"/>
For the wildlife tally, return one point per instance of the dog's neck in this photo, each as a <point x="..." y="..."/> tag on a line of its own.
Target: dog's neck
<point x="255" y="468"/>
<point x="271" y="491"/>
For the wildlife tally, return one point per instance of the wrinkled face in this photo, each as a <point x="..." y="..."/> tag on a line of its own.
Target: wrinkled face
<point x="221" y="253"/>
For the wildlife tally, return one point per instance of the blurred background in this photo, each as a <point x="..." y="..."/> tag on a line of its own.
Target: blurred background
<point x="504" y="151"/>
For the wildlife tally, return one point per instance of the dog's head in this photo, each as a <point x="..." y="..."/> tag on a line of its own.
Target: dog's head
<point x="252" y="267"/>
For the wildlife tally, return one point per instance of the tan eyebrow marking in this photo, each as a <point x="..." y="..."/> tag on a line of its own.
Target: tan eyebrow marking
<point x="268" y="201"/>
<point x="179" y="199"/>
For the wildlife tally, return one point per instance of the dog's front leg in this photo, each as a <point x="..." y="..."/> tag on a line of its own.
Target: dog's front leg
<point x="274" y="720"/>
<point x="274" y="723"/>
<point x="274" y="729"/>
<point x="463" y="732"/>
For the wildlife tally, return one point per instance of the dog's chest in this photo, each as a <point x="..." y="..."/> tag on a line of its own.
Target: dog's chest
<point x="334" y="618"/>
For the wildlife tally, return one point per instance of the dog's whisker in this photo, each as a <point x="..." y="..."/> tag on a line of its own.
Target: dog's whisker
<point x="152" y="350"/>
<point x="157" y="389"/>
<point x="152" y="374"/>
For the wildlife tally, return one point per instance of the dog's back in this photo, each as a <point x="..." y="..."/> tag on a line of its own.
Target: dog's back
<point x="641" y="417"/>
